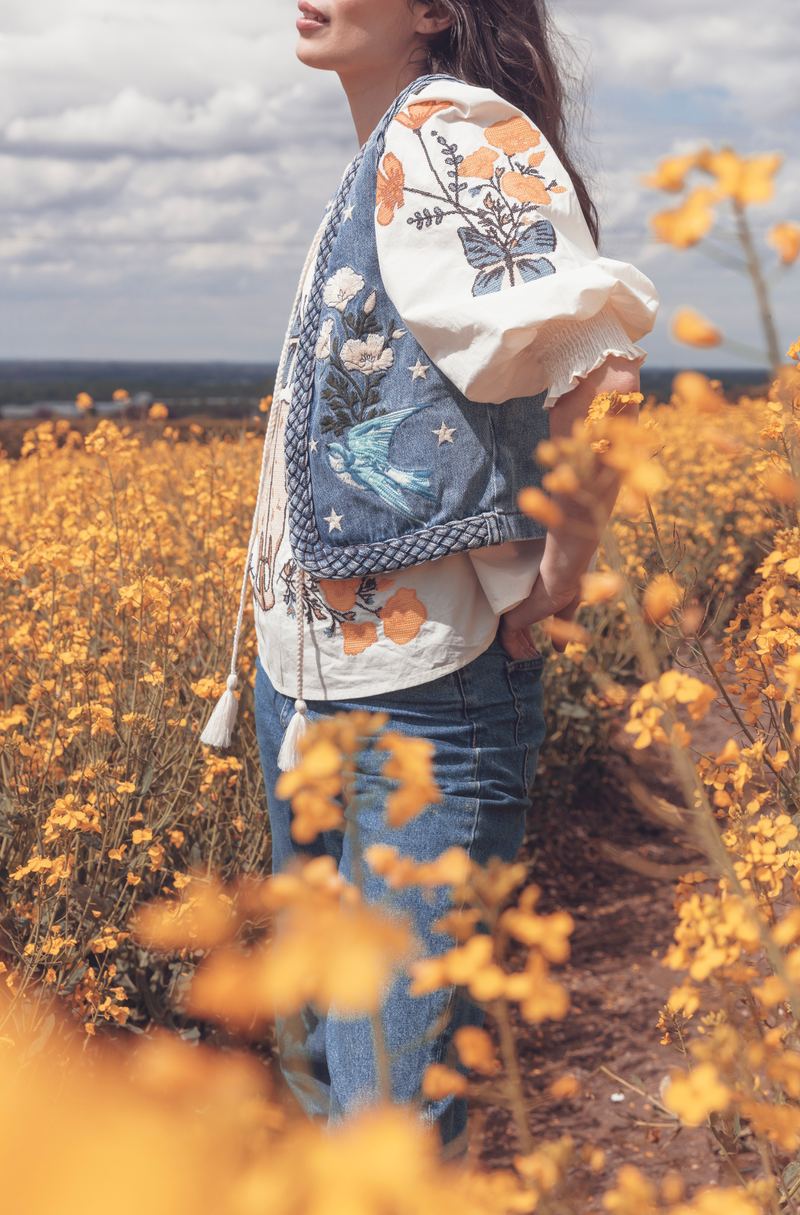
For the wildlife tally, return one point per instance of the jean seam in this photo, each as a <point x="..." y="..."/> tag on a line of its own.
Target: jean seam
<point x="445" y="1038"/>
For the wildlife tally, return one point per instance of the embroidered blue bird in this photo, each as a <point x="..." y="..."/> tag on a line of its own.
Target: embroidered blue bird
<point x="365" y="463"/>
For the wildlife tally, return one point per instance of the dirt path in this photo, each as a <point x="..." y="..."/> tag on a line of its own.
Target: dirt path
<point x="624" y="923"/>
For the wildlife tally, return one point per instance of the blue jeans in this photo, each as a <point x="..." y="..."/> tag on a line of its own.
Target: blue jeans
<point x="486" y="724"/>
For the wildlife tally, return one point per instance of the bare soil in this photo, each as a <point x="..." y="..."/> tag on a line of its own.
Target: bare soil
<point x="624" y="922"/>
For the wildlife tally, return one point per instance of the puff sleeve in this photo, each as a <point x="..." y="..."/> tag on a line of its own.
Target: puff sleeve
<point x="485" y="253"/>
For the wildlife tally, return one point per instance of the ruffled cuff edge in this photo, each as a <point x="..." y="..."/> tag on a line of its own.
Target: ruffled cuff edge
<point x="569" y="351"/>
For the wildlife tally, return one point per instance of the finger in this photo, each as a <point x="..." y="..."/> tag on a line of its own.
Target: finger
<point x="566" y="613"/>
<point x="517" y="643"/>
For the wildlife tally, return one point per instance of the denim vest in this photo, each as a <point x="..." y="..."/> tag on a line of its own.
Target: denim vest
<point x="387" y="469"/>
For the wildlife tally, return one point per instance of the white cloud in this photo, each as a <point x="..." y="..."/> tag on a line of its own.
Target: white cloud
<point x="163" y="163"/>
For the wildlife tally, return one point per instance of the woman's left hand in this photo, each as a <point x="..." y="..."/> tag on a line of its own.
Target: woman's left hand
<point x="519" y="643"/>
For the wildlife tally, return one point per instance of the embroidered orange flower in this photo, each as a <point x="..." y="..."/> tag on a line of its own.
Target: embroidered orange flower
<point x="513" y="135"/>
<point x="403" y="616"/>
<point x="419" y="113"/>
<point x="358" y="637"/>
<point x="389" y="194"/>
<point x="535" y="159"/>
<point x="479" y="164"/>
<point x="340" y="593"/>
<point x="525" y="189"/>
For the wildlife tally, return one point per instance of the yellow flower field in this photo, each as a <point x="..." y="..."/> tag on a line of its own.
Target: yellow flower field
<point x="134" y="860"/>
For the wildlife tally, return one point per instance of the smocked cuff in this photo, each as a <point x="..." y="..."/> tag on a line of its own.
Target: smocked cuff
<point x="570" y="350"/>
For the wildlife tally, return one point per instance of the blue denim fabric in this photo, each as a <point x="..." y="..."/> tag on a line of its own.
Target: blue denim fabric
<point x="363" y="445"/>
<point x="486" y="724"/>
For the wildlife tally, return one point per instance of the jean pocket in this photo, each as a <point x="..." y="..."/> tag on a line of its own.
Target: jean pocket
<point x="526" y="664"/>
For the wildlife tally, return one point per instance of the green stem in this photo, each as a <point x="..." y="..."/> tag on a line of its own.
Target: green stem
<point x="508" y="1050"/>
<point x="759" y="285"/>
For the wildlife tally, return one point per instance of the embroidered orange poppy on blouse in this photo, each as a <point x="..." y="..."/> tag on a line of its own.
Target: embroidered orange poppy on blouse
<point x="340" y="593"/>
<point x="479" y="164"/>
<point x="358" y="637"/>
<point x="389" y="193"/>
<point x="403" y="616"/>
<point x="513" y="135"/>
<point x="525" y="189"/>
<point x="420" y="111"/>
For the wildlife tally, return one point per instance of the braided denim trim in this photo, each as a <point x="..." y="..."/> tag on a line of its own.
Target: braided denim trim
<point x="308" y="546"/>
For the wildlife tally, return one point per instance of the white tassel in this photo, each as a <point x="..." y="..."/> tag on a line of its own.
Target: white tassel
<point x="219" y="728"/>
<point x="290" y="754"/>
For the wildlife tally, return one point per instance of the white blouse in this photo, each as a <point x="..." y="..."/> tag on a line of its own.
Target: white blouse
<point x="381" y="634"/>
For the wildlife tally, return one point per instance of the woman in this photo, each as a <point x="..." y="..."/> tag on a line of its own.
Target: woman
<point x="453" y="312"/>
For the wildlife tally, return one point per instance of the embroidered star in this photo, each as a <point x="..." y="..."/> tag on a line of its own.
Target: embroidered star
<point x="420" y="370"/>
<point x="348" y="213"/>
<point x="312" y="444"/>
<point x="444" y="434"/>
<point x="334" y="521"/>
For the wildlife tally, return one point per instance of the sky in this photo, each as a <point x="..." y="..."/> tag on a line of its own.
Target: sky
<point x="164" y="164"/>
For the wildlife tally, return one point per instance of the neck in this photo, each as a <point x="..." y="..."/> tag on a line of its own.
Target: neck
<point x="369" y="97"/>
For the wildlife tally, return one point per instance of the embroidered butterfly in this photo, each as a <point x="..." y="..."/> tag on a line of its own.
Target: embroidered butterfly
<point x="521" y="261"/>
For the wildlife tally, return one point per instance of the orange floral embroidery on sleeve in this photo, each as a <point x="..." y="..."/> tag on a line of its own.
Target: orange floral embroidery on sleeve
<point x="535" y="159"/>
<point x="419" y="112"/>
<point x="513" y="135"/>
<point x="403" y="616"/>
<point x="358" y="637"/>
<point x="525" y="189"/>
<point x="389" y="193"/>
<point x="480" y="163"/>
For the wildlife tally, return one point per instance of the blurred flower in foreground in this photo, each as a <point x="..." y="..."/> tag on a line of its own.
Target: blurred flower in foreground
<point x="121" y="396"/>
<point x="785" y="239"/>
<point x="745" y="179"/>
<point x="331" y="949"/>
<point x="84" y="402"/>
<point x="688" y="223"/>
<point x="635" y="1194"/>
<point x="693" y="329"/>
<point x="206" y="1139"/>
<point x="158" y="412"/>
<point x="670" y="173"/>
<point x="324" y="776"/>
<point x="694" y="1096"/>
<point x="693" y="390"/>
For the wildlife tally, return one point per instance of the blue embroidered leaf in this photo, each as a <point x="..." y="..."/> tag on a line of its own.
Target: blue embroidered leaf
<point x="532" y="268"/>
<point x="489" y="281"/>
<point x="475" y="190"/>
<point x="539" y="238"/>
<point x="480" y="250"/>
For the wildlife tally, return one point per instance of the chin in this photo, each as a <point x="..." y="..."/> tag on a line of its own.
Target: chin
<point x="309" y="52"/>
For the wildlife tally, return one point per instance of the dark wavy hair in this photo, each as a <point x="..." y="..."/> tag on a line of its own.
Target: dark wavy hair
<point x="512" y="47"/>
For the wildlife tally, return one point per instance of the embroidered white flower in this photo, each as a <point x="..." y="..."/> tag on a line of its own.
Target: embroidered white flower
<point x="323" y="347"/>
<point x="370" y="302"/>
<point x="367" y="356"/>
<point x="341" y="288"/>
